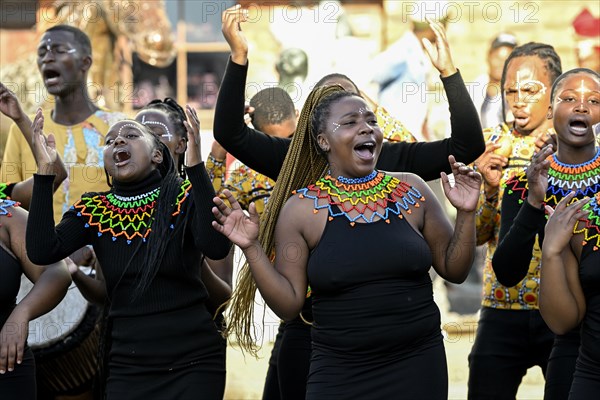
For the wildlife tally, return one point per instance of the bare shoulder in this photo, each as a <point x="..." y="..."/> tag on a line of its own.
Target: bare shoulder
<point x="301" y="211"/>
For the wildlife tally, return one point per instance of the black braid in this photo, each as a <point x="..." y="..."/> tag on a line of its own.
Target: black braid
<point x="159" y="239"/>
<point x="177" y="117"/>
<point x="320" y="114"/>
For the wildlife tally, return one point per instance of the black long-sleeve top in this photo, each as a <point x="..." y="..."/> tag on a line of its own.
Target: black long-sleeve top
<point x="520" y="223"/>
<point x="116" y="223"/>
<point x="265" y="154"/>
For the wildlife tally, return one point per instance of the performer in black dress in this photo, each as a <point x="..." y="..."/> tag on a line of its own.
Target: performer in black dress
<point x="365" y="241"/>
<point x="523" y="218"/>
<point x="148" y="232"/>
<point x="568" y="178"/>
<point x="266" y="154"/>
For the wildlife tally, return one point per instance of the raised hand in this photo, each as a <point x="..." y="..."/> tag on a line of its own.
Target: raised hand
<point x="559" y="228"/>
<point x="193" y="154"/>
<point x="544" y="139"/>
<point x="232" y="31"/>
<point x="537" y="177"/>
<point x="44" y="148"/>
<point x="490" y="164"/>
<point x="232" y="222"/>
<point x="9" y="104"/>
<point x="467" y="184"/>
<point x="439" y="54"/>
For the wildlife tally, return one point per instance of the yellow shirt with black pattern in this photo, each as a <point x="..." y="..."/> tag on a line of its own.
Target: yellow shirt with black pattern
<point x="245" y="184"/>
<point x="524" y="295"/>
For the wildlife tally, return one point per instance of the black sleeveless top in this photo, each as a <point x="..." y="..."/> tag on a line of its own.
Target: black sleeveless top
<point x="371" y="288"/>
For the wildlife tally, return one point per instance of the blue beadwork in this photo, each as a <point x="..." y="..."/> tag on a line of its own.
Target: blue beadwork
<point x="5" y="204"/>
<point x="353" y="181"/>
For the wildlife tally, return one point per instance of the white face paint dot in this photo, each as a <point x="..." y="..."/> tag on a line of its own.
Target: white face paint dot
<point x="126" y="126"/>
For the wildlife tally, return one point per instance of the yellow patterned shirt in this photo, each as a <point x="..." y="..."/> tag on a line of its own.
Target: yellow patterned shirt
<point x="81" y="148"/>
<point x="496" y="295"/>
<point x="245" y="184"/>
<point x="392" y="129"/>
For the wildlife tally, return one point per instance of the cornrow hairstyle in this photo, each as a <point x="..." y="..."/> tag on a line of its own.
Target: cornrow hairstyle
<point x="545" y="52"/>
<point x="336" y="75"/>
<point x="271" y="106"/>
<point x="159" y="239"/>
<point x="81" y="38"/>
<point x="177" y="116"/>
<point x="303" y="165"/>
<point x="557" y="82"/>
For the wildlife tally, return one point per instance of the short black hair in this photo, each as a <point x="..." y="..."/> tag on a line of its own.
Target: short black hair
<point x="562" y="77"/>
<point x="271" y="106"/>
<point x="82" y="40"/>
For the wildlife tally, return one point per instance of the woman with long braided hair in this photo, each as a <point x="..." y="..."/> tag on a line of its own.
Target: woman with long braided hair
<point x="365" y="240"/>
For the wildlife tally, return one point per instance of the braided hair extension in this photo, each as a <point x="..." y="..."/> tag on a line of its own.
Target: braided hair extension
<point x="544" y="52"/>
<point x="161" y="220"/>
<point x="177" y="116"/>
<point x="155" y="250"/>
<point x="304" y="164"/>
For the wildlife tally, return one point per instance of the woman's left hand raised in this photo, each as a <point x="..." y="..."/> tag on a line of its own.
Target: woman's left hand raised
<point x="232" y="222"/>
<point x="193" y="154"/>
<point x="44" y="148"/>
<point x="464" y="195"/>
<point x="439" y="54"/>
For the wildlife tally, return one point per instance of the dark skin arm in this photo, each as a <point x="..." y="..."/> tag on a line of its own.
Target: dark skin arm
<point x="50" y="286"/>
<point x="10" y="106"/>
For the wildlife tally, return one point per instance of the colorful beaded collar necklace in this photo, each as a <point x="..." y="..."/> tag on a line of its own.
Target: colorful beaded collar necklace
<point x="590" y="224"/>
<point x="5" y="204"/>
<point x="377" y="191"/>
<point x="3" y="190"/>
<point x="127" y="217"/>
<point x="583" y="179"/>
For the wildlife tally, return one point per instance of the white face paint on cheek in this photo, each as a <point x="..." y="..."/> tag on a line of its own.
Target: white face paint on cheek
<point x="335" y="126"/>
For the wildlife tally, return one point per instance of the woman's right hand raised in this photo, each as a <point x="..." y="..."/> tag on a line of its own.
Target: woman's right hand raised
<point x="537" y="177"/>
<point x="232" y="222"/>
<point x="440" y="52"/>
<point x="232" y="31"/>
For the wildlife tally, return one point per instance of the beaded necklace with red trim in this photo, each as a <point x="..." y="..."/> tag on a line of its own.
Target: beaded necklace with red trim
<point x="590" y="224"/>
<point x="129" y="217"/>
<point x="355" y="194"/>
<point x="583" y="179"/>
<point x="5" y="206"/>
